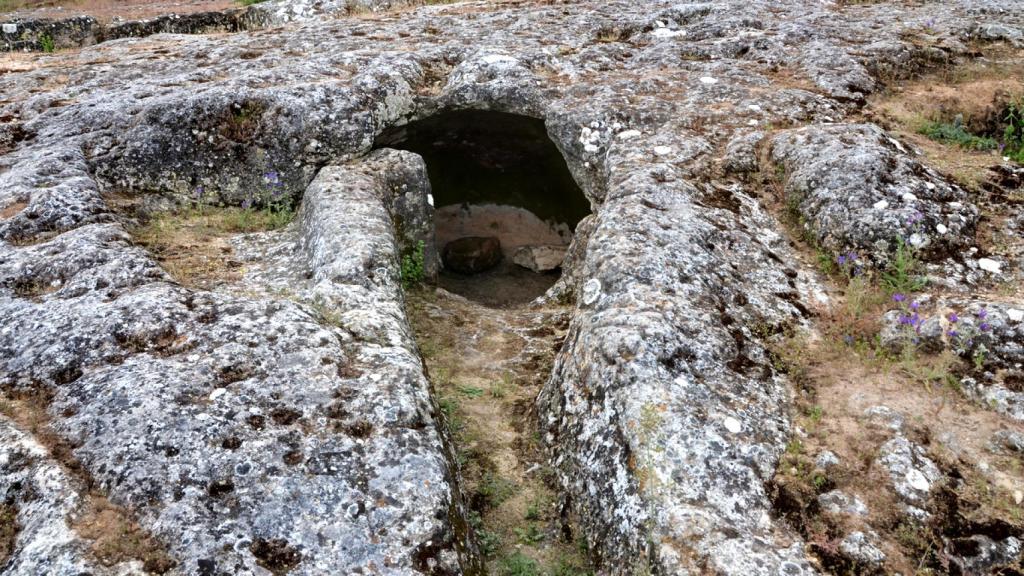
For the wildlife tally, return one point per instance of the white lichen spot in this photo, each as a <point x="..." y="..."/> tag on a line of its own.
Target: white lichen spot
<point x="499" y="60"/>
<point x="989" y="265"/>
<point x="591" y="291"/>
<point x="732" y="425"/>
<point x="917" y="480"/>
<point x="1015" y="315"/>
<point x="662" y="150"/>
<point x="881" y="205"/>
<point x="941" y="228"/>
<point x="667" y="33"/>
<point x="708" y="80"/>
<point x="628" y="134"/>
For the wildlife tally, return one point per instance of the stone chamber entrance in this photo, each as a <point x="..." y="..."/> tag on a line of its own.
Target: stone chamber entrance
<point x="506" y="203"/>
<point x="506" y="207"/>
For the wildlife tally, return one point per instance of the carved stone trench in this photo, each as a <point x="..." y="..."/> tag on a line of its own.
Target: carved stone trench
<point x="488" y="340"/>
<point x="340" y="262"/>
<point x="283" y="422"/>
<point x="364" y="430"/>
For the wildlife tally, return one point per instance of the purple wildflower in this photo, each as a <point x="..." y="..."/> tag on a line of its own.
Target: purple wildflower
<point x="246" y="204"/>
<point x="199" y="192"/>
<point x="916" y="321"/>
<point x="841" y="259"/>
<point x="272" y="177"/>
<point x="915" y="305"/>
<point x="982" y="313"/>
<point x="952" y="333"/>
<point x="985" y="327"/>
<point x="898" y="297"/>
<point x="953" y="318"/>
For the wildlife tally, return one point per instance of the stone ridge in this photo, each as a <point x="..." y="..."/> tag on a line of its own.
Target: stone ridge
<point x="224" y="422"/>
<point x="44" y="34"/>
<point x="664" y="416"/>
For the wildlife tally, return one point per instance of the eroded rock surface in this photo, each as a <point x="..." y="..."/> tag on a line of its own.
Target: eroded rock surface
<point x="284" y="423"/>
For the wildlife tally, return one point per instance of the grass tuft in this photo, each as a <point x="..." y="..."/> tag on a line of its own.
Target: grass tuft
<point x="956" y="134"/>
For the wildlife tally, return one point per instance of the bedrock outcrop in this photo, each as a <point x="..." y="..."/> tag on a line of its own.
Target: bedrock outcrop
<point x="283" y="423"/>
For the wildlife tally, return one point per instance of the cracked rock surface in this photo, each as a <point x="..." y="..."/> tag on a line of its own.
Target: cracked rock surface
<point x="283" y="423"/>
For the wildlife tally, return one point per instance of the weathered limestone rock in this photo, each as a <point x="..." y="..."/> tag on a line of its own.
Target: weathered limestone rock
<point x="235" y="426"/>
<point x="286" y="422"/>
<point x="913" y="474"/>
<point x="288" y="10"/>
<point x="837" y="502"/>
<point x="472" y="254"/>
<point x="45" y="499"/>
<point x="859" y="189"/>
<point x="539" y="258"/>
<point x="48" y="34"/>
<point x="860" y="549"/>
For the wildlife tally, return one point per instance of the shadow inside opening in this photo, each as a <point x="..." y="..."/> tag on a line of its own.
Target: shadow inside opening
<point x="506" y="205"/>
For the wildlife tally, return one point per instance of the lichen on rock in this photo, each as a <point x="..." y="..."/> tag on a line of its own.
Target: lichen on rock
<point x="282" y="420"/>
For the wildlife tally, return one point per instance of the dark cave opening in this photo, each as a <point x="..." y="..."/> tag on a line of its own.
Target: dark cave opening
<point x="506" y="205"/>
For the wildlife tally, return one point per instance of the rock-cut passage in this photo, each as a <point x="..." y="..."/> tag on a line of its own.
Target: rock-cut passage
<point x="506" y="209"/>
<point x="506" y="203"/>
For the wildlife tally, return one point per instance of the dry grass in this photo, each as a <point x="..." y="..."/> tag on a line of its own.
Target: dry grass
<point x="193" y="249"/>
<point x="117" y="538"/>
<point x="193" y="245"/>
<point x="487" y="366"/>
<point x="106" y="10"/>
<point x="976" y="92"/>
<point x="8" y="530"/>
<point x="12" y="210"/>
